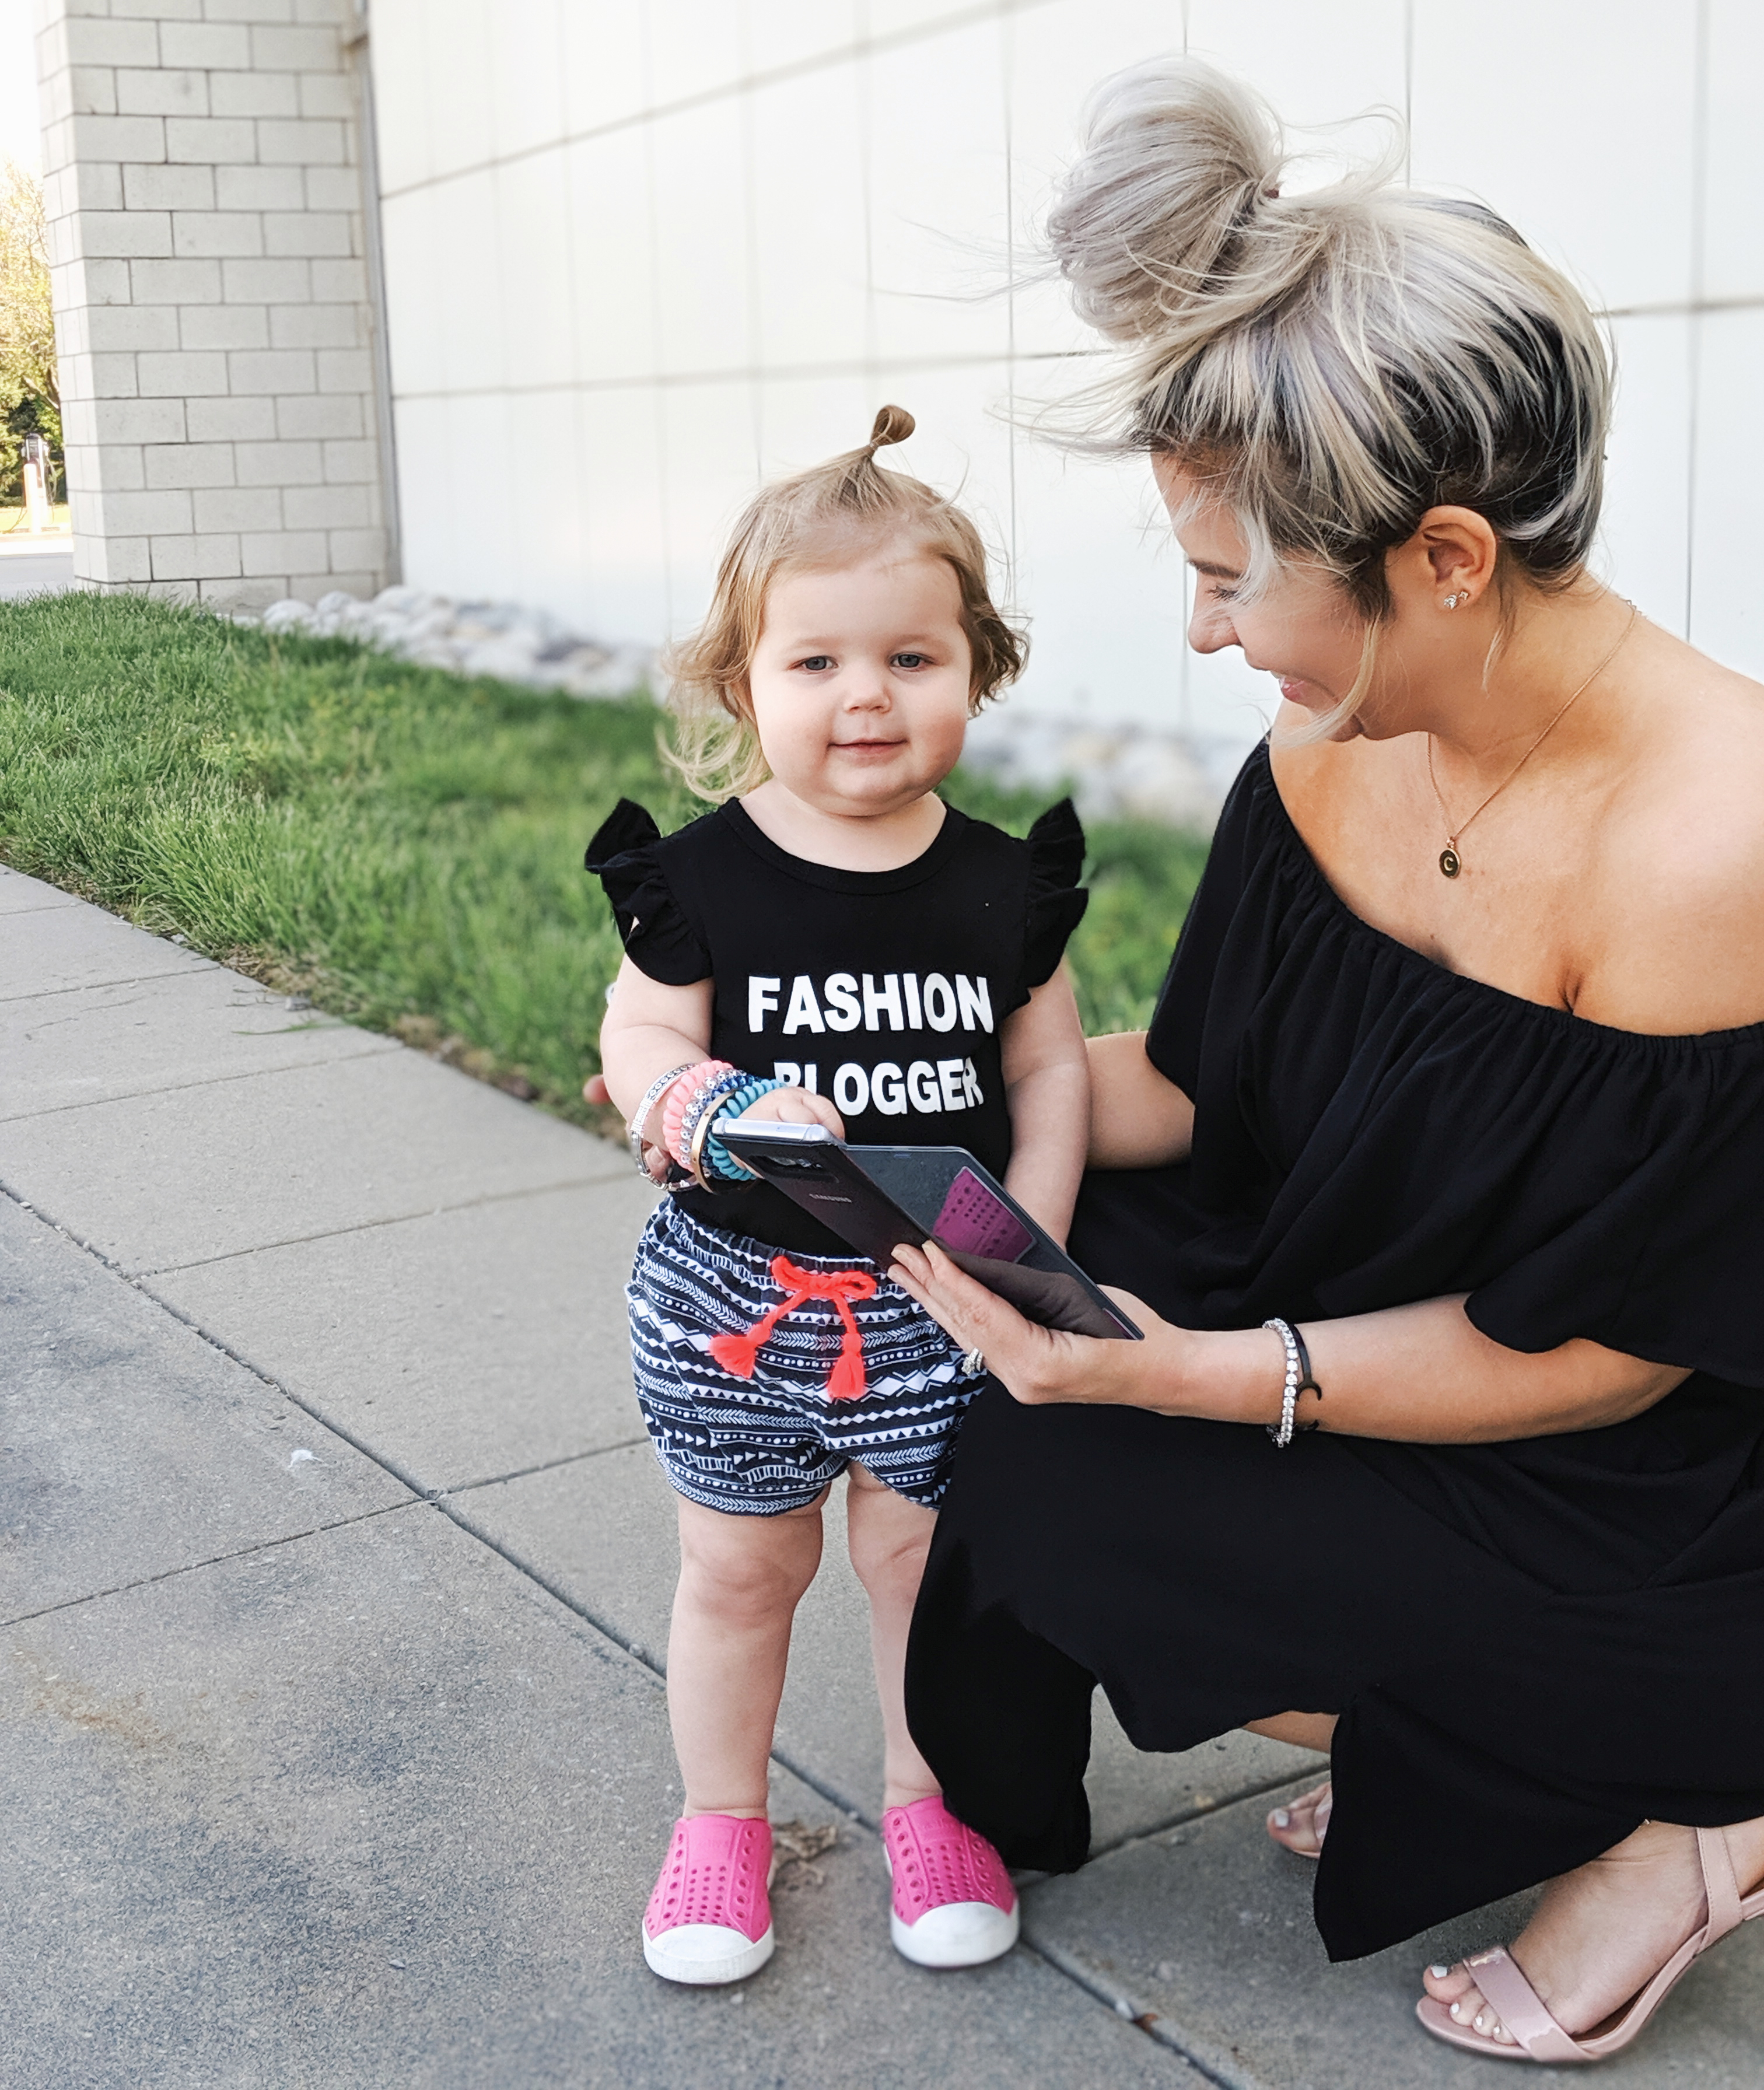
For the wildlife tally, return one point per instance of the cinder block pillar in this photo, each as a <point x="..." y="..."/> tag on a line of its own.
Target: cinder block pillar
<point x="213" y="311"/>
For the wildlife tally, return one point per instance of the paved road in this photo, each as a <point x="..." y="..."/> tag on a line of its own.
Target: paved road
<point x="335" y="1581"/>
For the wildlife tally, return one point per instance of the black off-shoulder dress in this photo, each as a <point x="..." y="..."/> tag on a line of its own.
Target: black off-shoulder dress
<point x="1533" y="1646"/>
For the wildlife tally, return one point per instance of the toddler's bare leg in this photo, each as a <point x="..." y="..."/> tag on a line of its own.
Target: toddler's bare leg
<point x="889" y="1537"/>
<point x="741" y="1580"/>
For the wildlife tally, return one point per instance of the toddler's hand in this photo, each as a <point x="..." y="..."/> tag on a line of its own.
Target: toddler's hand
<point x="797" y="1107"/>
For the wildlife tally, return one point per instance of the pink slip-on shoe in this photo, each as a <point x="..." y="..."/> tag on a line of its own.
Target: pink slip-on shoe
<point x="954" y="1905"/>
<point x="709" y="1919"/>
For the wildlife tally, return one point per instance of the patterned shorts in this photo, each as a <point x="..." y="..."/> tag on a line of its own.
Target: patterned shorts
<point x="756" y="1447"/>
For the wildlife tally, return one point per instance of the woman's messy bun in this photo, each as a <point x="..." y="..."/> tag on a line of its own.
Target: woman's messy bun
<point x="1334" y="363"/>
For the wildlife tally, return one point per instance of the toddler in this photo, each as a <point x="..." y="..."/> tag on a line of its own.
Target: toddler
<point x="832" y="945"/>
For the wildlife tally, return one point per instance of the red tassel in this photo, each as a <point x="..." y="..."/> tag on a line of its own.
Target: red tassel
<point x="737" y="1353"/>
<point x="844" y="1382"/>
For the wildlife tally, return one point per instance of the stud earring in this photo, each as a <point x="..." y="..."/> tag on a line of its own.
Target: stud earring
<point x="1452" y="601"/>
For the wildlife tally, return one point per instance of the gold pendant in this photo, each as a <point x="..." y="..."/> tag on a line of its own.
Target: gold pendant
<point x="1450" y="861"/>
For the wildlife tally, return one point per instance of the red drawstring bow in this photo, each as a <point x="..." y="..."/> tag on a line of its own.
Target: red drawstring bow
<point x="844" y="1382"/>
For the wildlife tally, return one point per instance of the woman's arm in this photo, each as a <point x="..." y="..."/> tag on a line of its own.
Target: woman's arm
<point x="1420" y="1374"/>
<point x="1138" y="1120"/>
<point x="1047" y="1090"/>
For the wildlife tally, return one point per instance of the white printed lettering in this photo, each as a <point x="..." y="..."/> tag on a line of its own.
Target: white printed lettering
<point x="976" y="1001"/>
<point x="889" y="999"/>
<point x="790" y="1072"/>
<point x="887" y="1090"/>
<point x="851" y="1089"/>
<point x="921" y="1085"/>
<point x="949" y="1080"/>
<point x="971" y="1085"/>
<point x="804" y="1013"/>
<point x="811" y="1078"/>
<point x="761" y="997"/>
<point x="843" y="1013"/>
<point x="915" y="1020"/>
<point x="940" y="1003"/>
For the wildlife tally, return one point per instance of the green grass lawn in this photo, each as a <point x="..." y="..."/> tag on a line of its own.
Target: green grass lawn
<point x="402" y="847"/>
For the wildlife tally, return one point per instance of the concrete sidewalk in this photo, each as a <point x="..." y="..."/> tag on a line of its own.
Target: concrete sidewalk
<point x="335" y="1574"/>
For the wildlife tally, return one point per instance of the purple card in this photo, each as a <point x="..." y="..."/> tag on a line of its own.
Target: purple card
<point x="974" y="1221"/>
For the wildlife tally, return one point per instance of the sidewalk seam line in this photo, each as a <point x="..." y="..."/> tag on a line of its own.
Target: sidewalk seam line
<point x="211" y="1082"/>
<point x="215" y="1560"/>
<point x="361" y="1227"/>
<point x="97" y="985"/>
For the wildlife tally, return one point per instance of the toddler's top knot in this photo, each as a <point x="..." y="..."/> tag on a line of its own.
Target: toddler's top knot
<point x="893" y="424"/>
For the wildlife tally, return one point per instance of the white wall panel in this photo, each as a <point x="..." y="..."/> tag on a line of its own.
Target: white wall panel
<point x="526" y="82"/>
<point x="1586" y="144"/>
<point x="937" y="188"/>
<point x="448" y="42"/>
<point x="808" y="198"/>
<point x="1726" y="610"/>
<point x="532" y="278"/>
<point x="603" y="62"/>
<point x="704" y="274"/>
<point x="611" y="256"/>
<point x="1645" y="543"/>
<point x="1733" y="222"/>
<point x="786" y="32"/>
<point x="727" y="290"/>
<point x="695" y="45"/>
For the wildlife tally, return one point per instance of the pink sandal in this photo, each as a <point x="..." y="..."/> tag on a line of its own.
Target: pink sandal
<point x="1521" y="2010"/>
<point x="709" y="1919"/>
<point x="1324" y="1795"/>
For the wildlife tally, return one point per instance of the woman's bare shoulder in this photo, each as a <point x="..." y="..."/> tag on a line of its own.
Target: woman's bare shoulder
<point x="1679" y="946"/>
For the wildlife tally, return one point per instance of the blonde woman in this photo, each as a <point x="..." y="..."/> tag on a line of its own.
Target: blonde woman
<point x="1439" y="1165"/>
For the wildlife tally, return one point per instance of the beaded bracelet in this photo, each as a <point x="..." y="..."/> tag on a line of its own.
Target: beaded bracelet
<point x="684" y="1093"/>
<point x="696" y="1120"/>
<point x="640" y="1117"/>
<point x="1298" y="1381"/>
<point x="717" y="1159"/>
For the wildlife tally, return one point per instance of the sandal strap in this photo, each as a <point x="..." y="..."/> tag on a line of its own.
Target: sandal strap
<point x="1520" y="2007"/>
<point x="1721" y="1888"/>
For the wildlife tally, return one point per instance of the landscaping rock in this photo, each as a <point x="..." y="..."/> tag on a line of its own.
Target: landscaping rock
<point x="511" y="642"/>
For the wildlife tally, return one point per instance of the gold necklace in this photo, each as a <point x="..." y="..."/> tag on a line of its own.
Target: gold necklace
<point x="1451" y="862"/>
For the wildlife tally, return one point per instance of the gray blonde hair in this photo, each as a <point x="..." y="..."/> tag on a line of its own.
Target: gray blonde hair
<point x="1330" y="364"/>
<point x="818" y="519"/>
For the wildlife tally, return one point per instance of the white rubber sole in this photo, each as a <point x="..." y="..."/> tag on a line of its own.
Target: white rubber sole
<point x="706" y="1956"/>
<point x="961" y="1933"/>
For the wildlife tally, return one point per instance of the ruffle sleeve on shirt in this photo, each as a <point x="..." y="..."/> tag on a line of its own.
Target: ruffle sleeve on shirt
<point x="1056" y="900"/>
<point x="1662" y="1253"/>
<point x="658" y="939"/>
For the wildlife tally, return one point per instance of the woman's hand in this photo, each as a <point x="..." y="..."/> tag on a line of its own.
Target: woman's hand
<point x="1040" y="1365"/>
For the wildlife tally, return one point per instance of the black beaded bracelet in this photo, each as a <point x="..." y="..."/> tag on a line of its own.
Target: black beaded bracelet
<point x="1298" y="1381"/>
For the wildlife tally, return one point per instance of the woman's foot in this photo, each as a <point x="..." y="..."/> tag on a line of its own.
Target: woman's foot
<point x="1300" y="1825"/>
<point x="1601" y="1934"/>
<point x="954" y="1905"/>
<point x="709" y="1919"/>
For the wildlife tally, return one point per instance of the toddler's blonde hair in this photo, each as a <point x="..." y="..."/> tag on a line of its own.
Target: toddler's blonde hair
<point x="818" y="519"/>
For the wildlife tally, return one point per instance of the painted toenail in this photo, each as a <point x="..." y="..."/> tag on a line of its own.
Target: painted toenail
<point x="1480" y="2021"/>
<point x="1457" y="2011"/>
<point x="1282" y="1819"/>
<point x="1438" y="1973"/>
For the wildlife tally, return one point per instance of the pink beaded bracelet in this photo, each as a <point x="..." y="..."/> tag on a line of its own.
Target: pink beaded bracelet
<point x="680" y="1097"/>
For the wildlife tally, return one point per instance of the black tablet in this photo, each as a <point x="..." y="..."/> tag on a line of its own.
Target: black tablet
<point x="878" y="1197"/>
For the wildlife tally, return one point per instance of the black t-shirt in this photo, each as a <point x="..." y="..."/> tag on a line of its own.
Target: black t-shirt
<point x="883" y="989"/>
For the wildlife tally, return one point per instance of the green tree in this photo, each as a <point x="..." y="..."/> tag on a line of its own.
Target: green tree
<point x="30" y="390"/>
